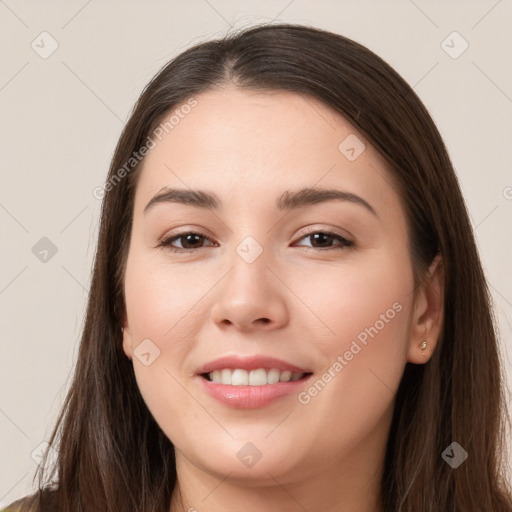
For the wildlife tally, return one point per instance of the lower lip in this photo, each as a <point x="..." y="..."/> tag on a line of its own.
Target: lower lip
<point x="251" y="397"/>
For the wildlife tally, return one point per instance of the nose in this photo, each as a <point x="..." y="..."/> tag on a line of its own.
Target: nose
<point x="250" y="297"/>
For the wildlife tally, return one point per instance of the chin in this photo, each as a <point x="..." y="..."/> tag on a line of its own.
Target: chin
<point x="252" y="462"/>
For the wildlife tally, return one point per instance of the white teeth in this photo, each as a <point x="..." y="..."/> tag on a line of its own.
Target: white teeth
<point x="285" y="376"/>
<point x="273" y="376"/>
<point x="225" y="376"/>
<point x="258" y="377"/>
<point x="239" y="378"/>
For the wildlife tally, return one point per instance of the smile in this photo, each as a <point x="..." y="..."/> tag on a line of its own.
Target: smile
<point x="251" y="382"/>
<point x="257" y="377"/>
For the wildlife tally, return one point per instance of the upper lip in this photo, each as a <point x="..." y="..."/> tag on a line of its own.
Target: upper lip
<point x="249" y="363"/>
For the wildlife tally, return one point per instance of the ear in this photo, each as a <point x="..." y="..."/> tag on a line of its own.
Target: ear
<point x="127" y="339"/>
<point x="428" y="314"/>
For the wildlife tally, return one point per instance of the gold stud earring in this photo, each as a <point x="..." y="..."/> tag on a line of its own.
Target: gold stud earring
<point x="423" y="345"/>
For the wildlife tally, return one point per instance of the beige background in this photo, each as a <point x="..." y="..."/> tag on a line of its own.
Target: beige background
<point x="61" y="117"/>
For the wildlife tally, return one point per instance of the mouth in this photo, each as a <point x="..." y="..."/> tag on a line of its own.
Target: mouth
<point x="251" y="382"/>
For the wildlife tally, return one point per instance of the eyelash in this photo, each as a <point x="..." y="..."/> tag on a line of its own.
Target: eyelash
<point x="166" y="242"/>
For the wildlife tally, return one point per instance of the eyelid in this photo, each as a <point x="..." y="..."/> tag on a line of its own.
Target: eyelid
<point x="311" y="229"/>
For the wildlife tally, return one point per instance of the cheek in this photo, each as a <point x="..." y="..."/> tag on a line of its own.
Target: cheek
<point x="165" y="305"/>
<point x="162" y="300"/>
<point x="365" y="312"/>
<point x="162" y="306"/>
<point x="347" y="300"/>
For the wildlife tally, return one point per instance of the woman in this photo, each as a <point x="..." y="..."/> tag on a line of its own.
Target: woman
<point x="287" y="311"/>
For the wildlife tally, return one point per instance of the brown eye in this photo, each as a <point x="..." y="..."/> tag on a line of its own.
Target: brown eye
<point x="322" y="240"/>
<point x="189" y="242"/>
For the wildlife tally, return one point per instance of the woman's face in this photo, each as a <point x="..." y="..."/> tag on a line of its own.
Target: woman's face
<point x="266" y="291"/>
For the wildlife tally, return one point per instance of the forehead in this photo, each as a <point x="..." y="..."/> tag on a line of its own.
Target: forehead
<point x="240" y="142"/>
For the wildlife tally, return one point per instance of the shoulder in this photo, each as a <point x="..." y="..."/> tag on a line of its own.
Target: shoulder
<point x="42" y="500"/>
<point x="25" y="504"/>
<point x="12" y="508"/>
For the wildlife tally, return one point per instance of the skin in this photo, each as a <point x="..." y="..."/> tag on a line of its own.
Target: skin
<point x="247" y="148"/>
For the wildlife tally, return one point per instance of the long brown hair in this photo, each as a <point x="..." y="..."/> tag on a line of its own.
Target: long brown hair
<point x="112" y="456"/>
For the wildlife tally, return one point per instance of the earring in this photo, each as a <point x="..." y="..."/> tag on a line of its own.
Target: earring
<point x="423" y="345"/>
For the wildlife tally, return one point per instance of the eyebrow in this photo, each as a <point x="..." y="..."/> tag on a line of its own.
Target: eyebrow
<point x="289" y="200"/>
